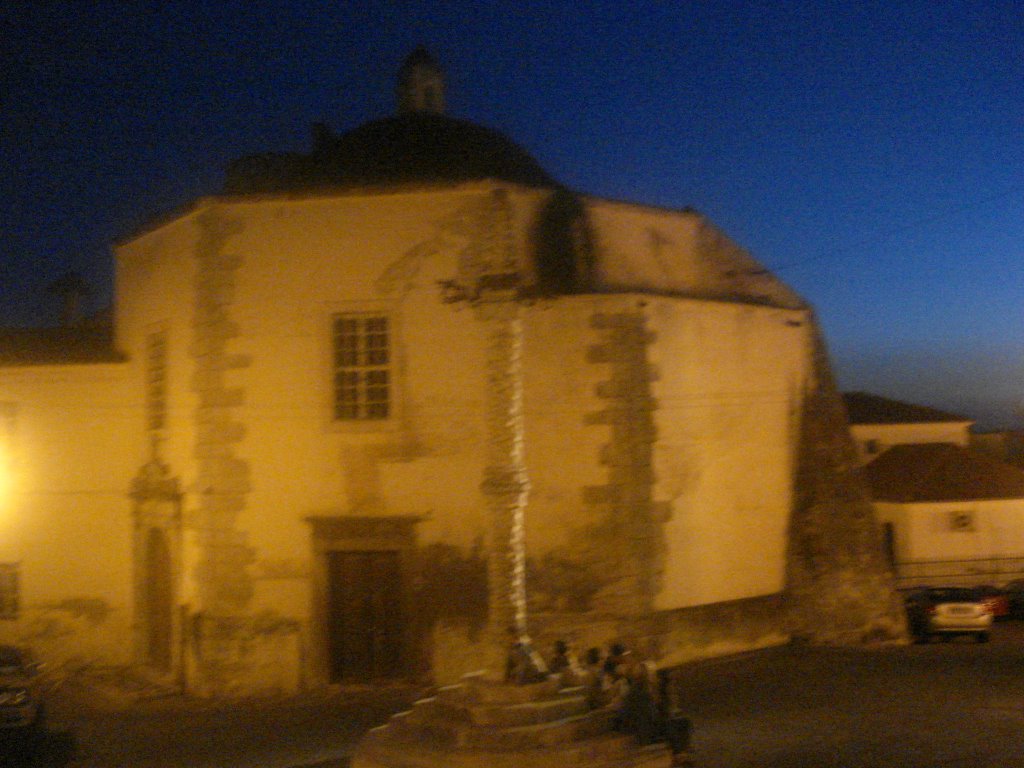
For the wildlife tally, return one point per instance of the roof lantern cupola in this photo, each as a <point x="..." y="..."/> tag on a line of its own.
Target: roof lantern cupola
<point x="420" y="84"/>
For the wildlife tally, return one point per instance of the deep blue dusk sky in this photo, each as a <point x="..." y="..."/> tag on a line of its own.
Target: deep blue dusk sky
<point x="871" y="154"/>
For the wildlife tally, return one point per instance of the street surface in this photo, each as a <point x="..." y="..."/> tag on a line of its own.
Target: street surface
<point x="957" y="704"/>
<point x="921" y="706"/>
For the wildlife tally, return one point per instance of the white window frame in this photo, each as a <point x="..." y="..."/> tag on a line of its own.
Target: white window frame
<point x="372" y="369"/>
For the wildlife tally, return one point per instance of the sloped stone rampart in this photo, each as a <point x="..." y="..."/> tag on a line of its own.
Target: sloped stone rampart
<point x="840" y="590"/>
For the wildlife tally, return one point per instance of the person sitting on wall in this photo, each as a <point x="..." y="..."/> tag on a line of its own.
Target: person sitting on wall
<point x="650" y="717"/>
<point x="677" y="728"/>
<point x="636" y="709"/>
<point x="594" y="678"/>
<point x="617" y="653"/>
<point x="565" y="664"/>
<point x="523" y="664"/>
<point x="560" y="660"/>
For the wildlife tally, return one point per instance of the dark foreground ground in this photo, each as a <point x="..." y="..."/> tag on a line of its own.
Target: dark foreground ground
<point x="920" y="706"/>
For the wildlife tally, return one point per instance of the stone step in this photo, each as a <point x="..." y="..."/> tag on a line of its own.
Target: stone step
<point x="380" y="750"/>
<point x="451" y="734"/>
<point x="500" y="715"/>
<point x="477" y="689"/>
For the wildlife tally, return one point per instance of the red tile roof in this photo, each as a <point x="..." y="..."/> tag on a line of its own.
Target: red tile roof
<point x="57" y="346"/>
<point x="923" y="472"/>
<point x="865" y="408"/>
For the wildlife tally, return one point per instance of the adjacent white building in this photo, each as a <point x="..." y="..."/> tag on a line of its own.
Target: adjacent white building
<point x="878" y="423"/>
<point x="951" y="514"/>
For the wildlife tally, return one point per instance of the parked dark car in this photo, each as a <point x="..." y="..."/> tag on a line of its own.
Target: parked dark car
<point x="1015" y="598"/>
<point x="21" y="704"/>
<point x="996" y="599"/>
<point x="946" y="612"/>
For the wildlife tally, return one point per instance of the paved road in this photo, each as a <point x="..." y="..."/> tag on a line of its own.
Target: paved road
<point x="314" y="730"/>
<point x="922" y="706"/>
<point x="936" y="706"/>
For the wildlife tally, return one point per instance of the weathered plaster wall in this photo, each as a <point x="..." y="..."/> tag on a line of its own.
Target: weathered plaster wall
<point x="729" y="391"/>
<point x="309" y="260"/>
<point x="303" y="262"/>
<point x="65" y="516"/>
<point x="677" y="252"/>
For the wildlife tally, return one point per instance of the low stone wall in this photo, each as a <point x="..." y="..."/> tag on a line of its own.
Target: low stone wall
<point x="72" y="633"/>
<point x="244" y="656"/>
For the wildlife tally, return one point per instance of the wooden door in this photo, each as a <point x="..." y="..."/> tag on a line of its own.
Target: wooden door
<point x="364" y="615"/>
<point x="159" y="599"/>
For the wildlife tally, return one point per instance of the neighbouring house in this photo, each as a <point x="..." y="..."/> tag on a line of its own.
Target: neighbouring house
<point x="951" y="514"/>
<point x="878" y="423"/>
<point x="1006" y="445"/>
<point x="353" y="400"/>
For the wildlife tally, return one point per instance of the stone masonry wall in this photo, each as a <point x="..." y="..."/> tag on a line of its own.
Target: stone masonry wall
<point x="625" y="545"/>
<point x="224" y="587"/>
<point x="839" y="587"/>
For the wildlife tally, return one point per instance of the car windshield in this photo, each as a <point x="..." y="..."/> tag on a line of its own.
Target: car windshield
<point x="954" y="595"/>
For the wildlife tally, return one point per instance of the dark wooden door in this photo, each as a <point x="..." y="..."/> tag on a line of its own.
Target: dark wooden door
<point x="364" y="615"/>
<point x="159" y="599"/>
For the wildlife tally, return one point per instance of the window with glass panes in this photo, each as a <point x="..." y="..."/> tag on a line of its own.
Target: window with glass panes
<point x="362" y="367"/>
<point x="156" y="380"/>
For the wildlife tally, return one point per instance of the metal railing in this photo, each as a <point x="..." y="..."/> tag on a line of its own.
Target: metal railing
<point x="958" y="573"/>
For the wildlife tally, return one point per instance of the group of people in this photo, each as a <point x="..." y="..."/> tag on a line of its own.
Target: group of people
<point x="639" y="695"/>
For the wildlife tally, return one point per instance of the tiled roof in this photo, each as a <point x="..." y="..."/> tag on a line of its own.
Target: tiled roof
<point x="57" y="346"/>
<point x="923" y="472"/>
<point x="865" y="408"/>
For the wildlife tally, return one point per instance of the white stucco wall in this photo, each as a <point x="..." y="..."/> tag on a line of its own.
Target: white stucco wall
<point x="924" y="531"/>
<point x="730" y="384"/>
<point x="726" y="388"/>
<point x="155" y="279"/>
<point x="563" y="447"/>
<point x="873" y="439"/>
<point x="303" y="262"/>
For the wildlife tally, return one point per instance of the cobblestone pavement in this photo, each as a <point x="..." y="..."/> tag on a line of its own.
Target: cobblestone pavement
<point x="957" y="704"/>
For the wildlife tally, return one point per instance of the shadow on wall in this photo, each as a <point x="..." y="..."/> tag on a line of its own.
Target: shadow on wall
<point x="564" y="246"/>
<point x="451" y="586"/>
<point x="558" y="584"/>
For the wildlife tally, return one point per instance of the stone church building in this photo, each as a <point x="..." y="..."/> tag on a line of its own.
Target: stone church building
<point x="377" y="403"/>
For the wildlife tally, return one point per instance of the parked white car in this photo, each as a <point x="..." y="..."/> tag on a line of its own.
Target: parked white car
<point x="946" y="612"/>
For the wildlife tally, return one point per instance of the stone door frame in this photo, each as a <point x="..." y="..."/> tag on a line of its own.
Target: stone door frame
<point x="156" y="512"/>
<point x="347" y="533"/>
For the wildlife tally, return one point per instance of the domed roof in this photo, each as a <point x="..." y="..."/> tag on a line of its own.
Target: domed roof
<point x="421" y="147"/>
<point x="418" y="145"/>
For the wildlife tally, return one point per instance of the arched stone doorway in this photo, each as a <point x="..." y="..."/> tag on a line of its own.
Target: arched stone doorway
<point x="157" y="568"/>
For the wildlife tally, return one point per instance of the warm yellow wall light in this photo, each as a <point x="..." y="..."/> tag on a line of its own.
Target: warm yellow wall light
<point x="6" y="479"/>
